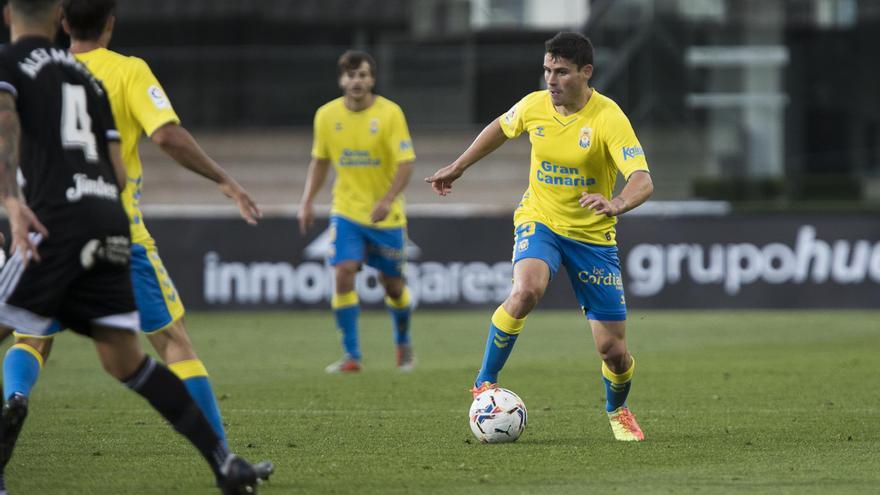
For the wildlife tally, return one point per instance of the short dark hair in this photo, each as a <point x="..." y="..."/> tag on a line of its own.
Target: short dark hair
<point x="352" y="59"/>
<point x="574" y="47"/>
<point x="32" y="8"/>
<point x="87" y="18"/>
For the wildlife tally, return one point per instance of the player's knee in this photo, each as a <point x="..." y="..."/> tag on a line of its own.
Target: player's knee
<point x="613" y="353"/>
<point x="393" y="286"/>
<point x="526" y="295"/>
<point x="43" y="346"/>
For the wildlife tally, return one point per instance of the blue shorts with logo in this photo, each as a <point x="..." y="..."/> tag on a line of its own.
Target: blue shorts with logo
<point x="383" y="249"/>
<point x="593" y="270"/>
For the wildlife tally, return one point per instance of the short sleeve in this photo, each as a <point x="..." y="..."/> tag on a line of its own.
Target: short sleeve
<point x="401" y="142"/>
<point x="146" y="99"/>
<point x="319" y="141"/>
<point x="512" y="121"/>
<point x="623" y="147"/>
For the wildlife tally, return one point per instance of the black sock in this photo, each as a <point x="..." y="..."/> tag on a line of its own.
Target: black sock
<point x="168" y="395"/>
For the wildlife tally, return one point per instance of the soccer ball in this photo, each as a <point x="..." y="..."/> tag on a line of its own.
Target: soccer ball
<point x="497" y="416"/>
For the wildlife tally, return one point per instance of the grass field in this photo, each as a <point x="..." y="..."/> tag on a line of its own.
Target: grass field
<point x="731" y="402"/>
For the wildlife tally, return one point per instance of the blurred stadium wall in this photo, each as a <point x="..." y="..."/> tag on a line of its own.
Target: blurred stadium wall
<point x="760" y="117"/>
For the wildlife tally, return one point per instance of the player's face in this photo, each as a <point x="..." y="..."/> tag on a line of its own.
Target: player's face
<point x="357" y="83"/>
<point x="566" y="83"/>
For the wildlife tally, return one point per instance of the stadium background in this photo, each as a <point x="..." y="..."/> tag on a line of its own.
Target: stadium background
<point x="761" y="123"/>
<point x="760" y="119"/>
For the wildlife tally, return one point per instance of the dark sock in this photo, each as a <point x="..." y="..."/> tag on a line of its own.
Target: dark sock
<point x="168" y="395"/>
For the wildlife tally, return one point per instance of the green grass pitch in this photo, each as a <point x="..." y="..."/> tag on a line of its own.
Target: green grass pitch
<point x="731" y="402"/>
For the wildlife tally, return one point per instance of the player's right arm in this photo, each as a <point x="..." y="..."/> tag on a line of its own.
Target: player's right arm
<point x="489" y="140"/>
<point x="180" y="145"/>
<point x="21" y="219"/>
<point x="317" y="174"/>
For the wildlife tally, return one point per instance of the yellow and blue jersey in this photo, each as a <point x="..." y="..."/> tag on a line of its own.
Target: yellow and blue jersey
<point x="139" y="107"/>
<point x="571" y="154"/>
<point x="365" y="148"/>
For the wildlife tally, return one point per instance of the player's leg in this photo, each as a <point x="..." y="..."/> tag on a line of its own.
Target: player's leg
<point x="175" y="348"/>
<point x="536" y="258"/>
<point x="397" y="300"/>
<point x="346" y="312"/>
<point x="386" y="253"/>
<point x="123" y="358"/>
<point x="161" y="319"/>
<point x="348" y="253"/>
<point x="594" y="273"/>
<point x="22" y="364"/>
<point x="530" y="279"/>
<point x="618" y="367"/>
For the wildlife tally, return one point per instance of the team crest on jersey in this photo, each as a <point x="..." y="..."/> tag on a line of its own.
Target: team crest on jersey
<point x="338" y="126"/>
<point x="374" y="126"/>
<point x="539" y="131"/>
<point x="585" y="138"/>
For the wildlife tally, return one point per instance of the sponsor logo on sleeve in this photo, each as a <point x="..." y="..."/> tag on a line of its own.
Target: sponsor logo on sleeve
<point x="511" y="114"/>
<point x="632" y="152"/>
<point x="158" y="97"/>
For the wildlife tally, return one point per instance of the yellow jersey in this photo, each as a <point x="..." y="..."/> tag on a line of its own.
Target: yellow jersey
<point x="571" y="154"/>
<point x="139" y="106"/>
<point x="366" y="148"/>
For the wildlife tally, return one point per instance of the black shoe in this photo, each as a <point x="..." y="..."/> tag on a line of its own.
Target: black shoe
<point x="264" y="469"/>
<point x="238" y="477"/>
<point x="14" y="413"/>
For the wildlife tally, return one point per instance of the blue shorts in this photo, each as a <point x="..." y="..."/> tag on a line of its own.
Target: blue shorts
<point x="593" y="270"/>
<point x="157" y="300"/>
<point x="383" y="249"/>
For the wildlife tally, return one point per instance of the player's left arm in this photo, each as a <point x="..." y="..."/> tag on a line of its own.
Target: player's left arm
<point x="402" y="152"/>
<point x="180" y="145"/>
<point x="21" y="219"/>
<point x="401" y="179"/>
<point x="626" y="155"/>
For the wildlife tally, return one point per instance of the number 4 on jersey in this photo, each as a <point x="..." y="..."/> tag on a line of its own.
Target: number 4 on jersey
<point x="76" y="124"/>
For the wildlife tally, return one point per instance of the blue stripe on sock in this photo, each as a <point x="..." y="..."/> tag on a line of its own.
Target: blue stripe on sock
<point x="498" y="347"/>
<point x="347" y="322"/>
<point x="615" y="395"/>
<point x="199" y="388"/>
<point x="20" y="372"/>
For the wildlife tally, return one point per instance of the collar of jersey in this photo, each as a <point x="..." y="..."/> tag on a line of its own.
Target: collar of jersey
<point x="565" y="120"/>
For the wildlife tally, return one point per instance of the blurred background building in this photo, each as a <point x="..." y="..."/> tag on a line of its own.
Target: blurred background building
<point x="768" y="102"/>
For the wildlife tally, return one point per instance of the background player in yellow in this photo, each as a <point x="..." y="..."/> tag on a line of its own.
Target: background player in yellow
<point x="139" y="107"/>
<point x="580" y="141"/>
<point x="366" y="138"/>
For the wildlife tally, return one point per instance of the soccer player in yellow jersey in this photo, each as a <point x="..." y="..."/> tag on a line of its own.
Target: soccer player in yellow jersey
<point x="139" y="107"/>
<point x="580" y="141"/>
<point x="366" y="138"/>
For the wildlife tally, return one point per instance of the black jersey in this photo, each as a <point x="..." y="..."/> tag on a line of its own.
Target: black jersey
<point x="66" y="173"/>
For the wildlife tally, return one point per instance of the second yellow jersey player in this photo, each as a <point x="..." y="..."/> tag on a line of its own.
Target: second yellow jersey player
<point x="365" y="138"/>
<point x="365" y="148"/>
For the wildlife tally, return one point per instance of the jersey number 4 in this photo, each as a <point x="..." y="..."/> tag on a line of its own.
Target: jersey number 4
<point x="76" y="124"/>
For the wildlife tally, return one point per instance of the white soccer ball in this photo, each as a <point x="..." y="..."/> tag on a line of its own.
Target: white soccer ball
<point x="497" y="416"/>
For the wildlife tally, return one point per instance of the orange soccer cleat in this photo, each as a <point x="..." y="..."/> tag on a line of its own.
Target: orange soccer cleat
<point x="624" y="425"/>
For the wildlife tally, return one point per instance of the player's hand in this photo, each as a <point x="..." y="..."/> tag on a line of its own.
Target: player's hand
<point x="442" y="179"/>
<point x="21" y="221"/>
<point x="380" y="211"/>
<point x="602" y="205"/>
<point x="248" y="209"/>
<point x="306" y="217"/>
